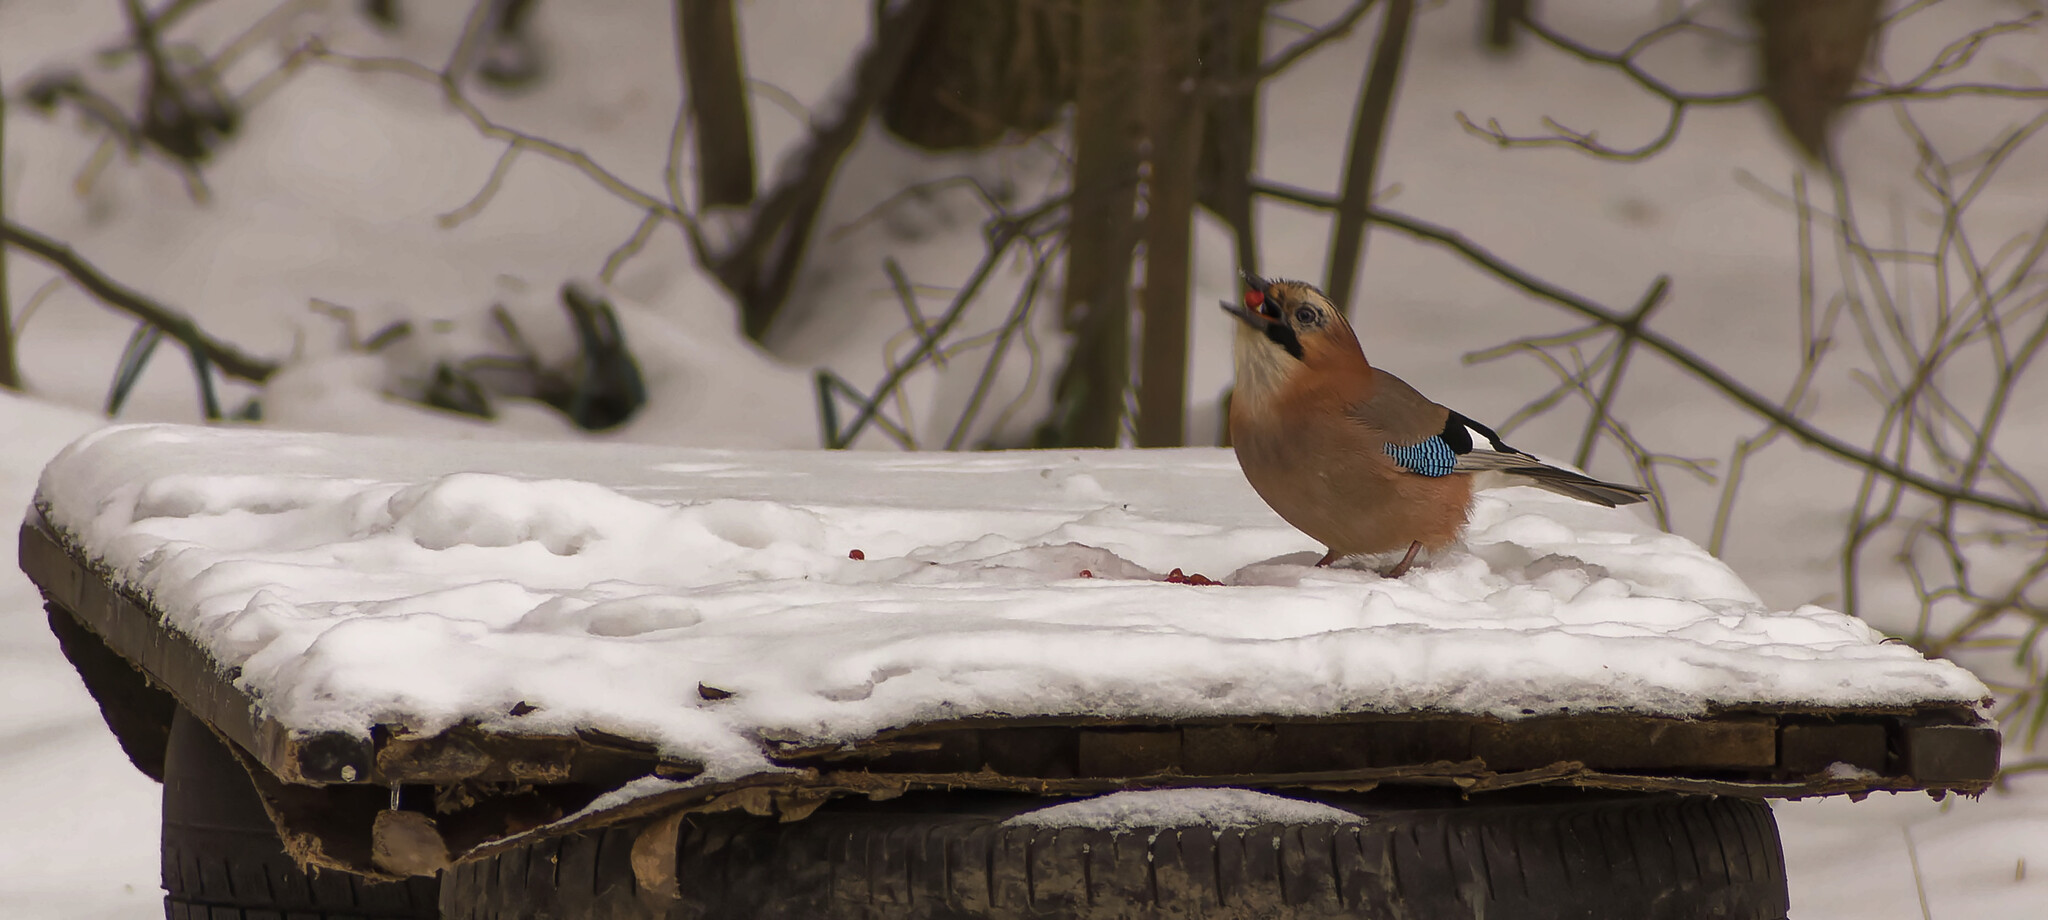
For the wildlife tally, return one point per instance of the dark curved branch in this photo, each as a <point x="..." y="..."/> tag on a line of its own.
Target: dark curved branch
<point x="1625" y="61"/>
<point x="1924" y="93"/>
<point x="1603" y="403"/>
<point x="1587" y="141"/>
<point x="1002" y="232"/>
<point x="1328" y="32"/>
<point x="231" y="360"/>
<point x="761" y="266"/>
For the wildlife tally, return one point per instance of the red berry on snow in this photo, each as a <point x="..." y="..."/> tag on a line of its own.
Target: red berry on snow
<point x="856" y="555"/>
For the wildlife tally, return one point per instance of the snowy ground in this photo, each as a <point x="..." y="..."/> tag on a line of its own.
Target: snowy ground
<point x="333" y="189"/>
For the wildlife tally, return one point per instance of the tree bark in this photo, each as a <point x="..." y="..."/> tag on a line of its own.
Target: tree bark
<point x="1173" y="118"/>
<point x="984" y="71"/>
<point x="1232" y="51"/>
<point x="1089" y="397"/>
<point x="708" y="41"/>
<point x="1368" y="140"/>
<point x="10" y="373"/>
<point x="1503" y="23"/>
<point x="1811" y="54"/>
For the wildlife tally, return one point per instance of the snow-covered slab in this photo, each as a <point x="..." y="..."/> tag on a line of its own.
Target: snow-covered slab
<point x="708" y="602"/>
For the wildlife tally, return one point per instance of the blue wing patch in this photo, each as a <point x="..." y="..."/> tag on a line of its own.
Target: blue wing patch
<point x="1433" y="457"/>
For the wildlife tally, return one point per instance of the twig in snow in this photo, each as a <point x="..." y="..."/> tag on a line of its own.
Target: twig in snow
<point x="177" y="325"/>
<point x="1019" y="321"/>
<point x="568" y="156"/>
<point x="483" y="196"/>
<point x="761" y="266"/>
<point x="1003" y="231"/>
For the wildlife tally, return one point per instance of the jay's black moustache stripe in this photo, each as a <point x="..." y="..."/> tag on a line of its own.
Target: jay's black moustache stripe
<point x="1284" y="337"/>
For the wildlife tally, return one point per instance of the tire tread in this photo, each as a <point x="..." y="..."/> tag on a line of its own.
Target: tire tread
<point x="222" y="858"/>
<point x="1646" y="857"/>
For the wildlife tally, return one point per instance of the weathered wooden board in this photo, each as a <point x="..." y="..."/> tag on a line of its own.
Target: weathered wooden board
<point x="490" y="786"/>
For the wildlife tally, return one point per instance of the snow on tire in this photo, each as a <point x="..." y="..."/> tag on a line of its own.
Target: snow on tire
<point x="1540" y="855"/>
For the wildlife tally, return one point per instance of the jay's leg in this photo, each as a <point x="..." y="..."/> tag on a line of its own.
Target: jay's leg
<point x="1328" y="558"/>
<point x="1406" y="561"/>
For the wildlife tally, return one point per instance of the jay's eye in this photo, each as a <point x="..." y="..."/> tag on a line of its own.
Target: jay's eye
<point x="1305" y="316"/>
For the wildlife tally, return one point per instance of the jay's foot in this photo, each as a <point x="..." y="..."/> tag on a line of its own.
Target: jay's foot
<point x="1328" y="558"/>
<point x="1407" y="561"/>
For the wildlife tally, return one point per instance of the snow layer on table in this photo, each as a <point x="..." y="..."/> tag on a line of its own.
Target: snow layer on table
<point x="421" y="583"/>
<point x="1141" y="808"/>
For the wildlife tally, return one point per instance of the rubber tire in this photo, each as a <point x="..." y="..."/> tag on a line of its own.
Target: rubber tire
<point x="1582" y="856"/>
<point x="223" y="859"/>
<point x="138" y="713"/>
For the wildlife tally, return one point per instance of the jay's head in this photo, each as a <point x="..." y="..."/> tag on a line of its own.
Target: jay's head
<point x="1285" y="326"/>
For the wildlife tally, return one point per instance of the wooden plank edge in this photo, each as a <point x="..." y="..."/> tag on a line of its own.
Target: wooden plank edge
<point x="795" y="794"/>
<point x="176" y="662"/>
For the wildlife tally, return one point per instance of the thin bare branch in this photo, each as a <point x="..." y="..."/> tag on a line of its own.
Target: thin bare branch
<point x="1005" y="231"/>
<point x="1625" y="61"/>
<point x="177" y="325"/>
<point x="1631" y="330"/>
<point x="1333" y="30"/>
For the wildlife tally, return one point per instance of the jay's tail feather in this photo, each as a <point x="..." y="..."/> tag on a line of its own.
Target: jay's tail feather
<point x="1496" y="469"/>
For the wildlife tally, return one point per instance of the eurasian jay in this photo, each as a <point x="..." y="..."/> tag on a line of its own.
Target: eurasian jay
<point x="1350" y="454"/>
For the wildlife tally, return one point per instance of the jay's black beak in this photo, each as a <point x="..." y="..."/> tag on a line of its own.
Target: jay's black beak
<point x="1244" y="309"/>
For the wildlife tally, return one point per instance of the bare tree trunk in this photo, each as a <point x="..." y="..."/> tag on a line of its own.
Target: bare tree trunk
<point x="985" y="71"/>
<point x="1088" y="406"/>
<point x="1503" y="22"/>
<point x="1368" y="139"/>
<point x="1173" y="118"/>
<point x="1231" y="56"/>
<point x="708" y="39"/>
<point x="1811" y="54"/>
<point x="10" y="373"/>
